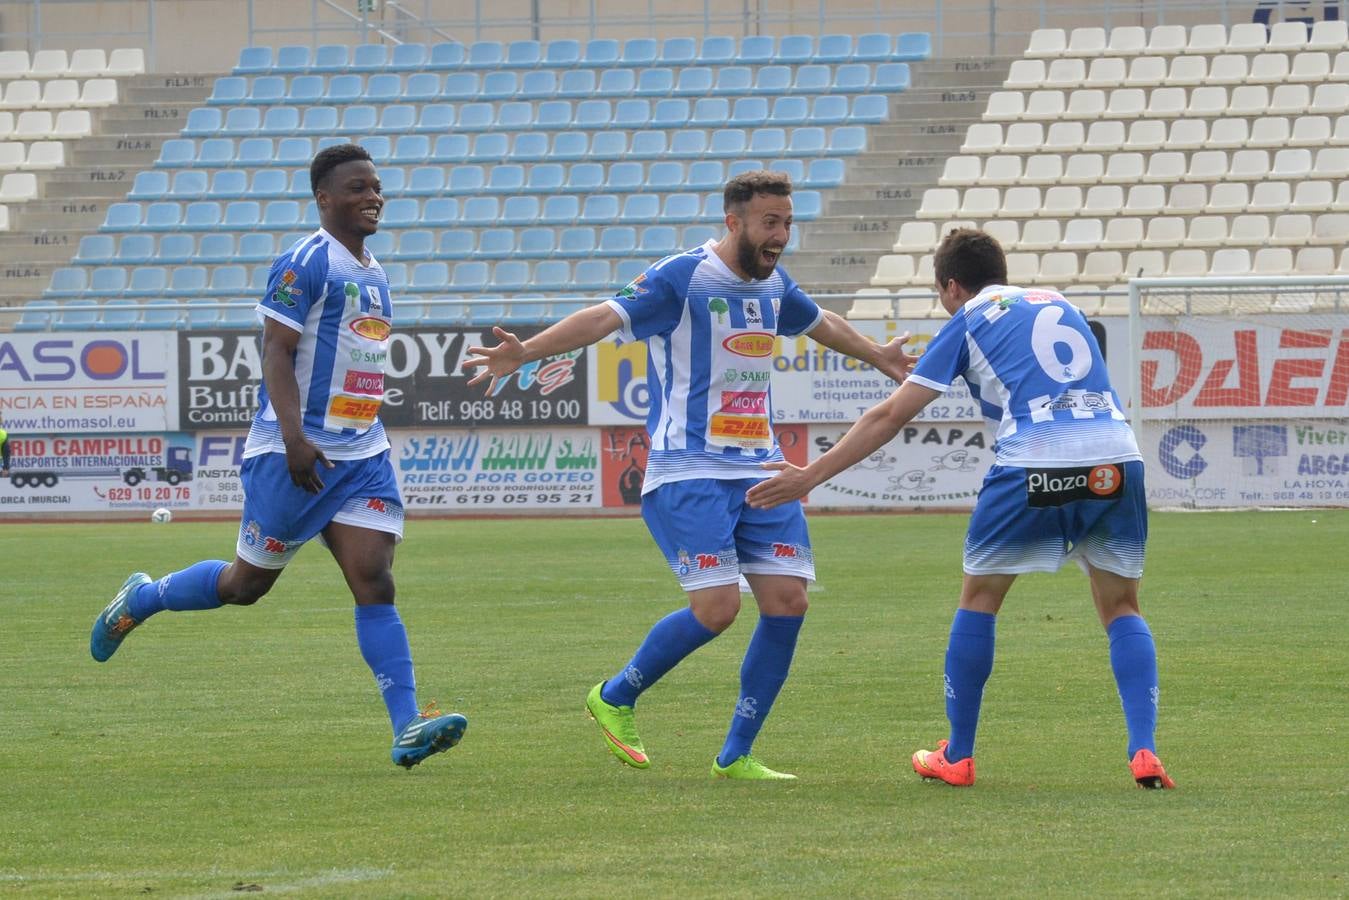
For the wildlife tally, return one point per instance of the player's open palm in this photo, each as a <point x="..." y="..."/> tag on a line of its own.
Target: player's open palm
<point x="897" y="362"/>
<point x="496" y="362"/>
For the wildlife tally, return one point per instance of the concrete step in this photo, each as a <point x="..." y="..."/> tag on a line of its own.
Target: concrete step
<point x="90" y="182"/>
<point x="42" y="248"/>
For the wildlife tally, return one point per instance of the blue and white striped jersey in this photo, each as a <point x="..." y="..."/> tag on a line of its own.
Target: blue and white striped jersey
<point x="710" y="339"/>
<point x="344" y="314"/>
<point x="1036" y="371"/>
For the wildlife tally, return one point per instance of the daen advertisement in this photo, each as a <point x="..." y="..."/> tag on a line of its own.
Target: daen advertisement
<point x="80" y="383"/>
<point x="498" y="470"/>
<point x="1204" y="464"/>
<point x="928" y="465"/>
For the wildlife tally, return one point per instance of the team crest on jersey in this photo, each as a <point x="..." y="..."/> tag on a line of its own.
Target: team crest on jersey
<point x="634" y="288"/>
<point x="719" y="306"/>
<point x="286" y="291"/>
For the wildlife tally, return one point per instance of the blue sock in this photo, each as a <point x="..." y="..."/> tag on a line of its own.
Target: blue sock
<point x="384" y="646"/>
<point x="669" y="641"/>
<point x="969" y="661"/>
<point x="762" y="674"/>
<point x="192" y="588"/>
<point x="1133" y="657"/>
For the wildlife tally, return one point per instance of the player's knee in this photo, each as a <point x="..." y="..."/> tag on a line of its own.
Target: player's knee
<point x="244" y="591"/>
<point x="717" y="617"/>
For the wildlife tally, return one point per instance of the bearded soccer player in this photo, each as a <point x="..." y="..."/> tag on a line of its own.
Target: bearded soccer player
<point x="709" y="316"/>
<point x="316" y="462"/>
<point x="1067" y="484"/>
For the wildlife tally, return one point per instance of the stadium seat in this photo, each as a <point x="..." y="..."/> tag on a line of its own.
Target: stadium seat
<point x="561" y="209"/>
<point x="616" y="83"/>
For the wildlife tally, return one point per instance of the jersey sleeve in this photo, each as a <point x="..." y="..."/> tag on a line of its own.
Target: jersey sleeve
<point x="293" y="288"/>
<point x="651" y="303"/>
<point x="946" y="358"/>
<point x="799" y="313"/>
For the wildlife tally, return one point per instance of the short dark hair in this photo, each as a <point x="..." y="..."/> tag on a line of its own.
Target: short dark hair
<point x="330" y="158"/>
<point x="972" y="257"/>
<point x="747" y="185"/>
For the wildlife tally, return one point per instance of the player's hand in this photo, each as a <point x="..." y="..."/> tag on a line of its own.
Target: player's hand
<point x="302" y="458"/>
<point x="496" y="362"/>
<point x="791" y="483"/>
<point x="895" y="361"/>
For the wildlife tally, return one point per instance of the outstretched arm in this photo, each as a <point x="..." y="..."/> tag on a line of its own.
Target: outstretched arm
<point x="835" y="333"/>
<point x="877" y="427"/>
<point x="580" y="329"/>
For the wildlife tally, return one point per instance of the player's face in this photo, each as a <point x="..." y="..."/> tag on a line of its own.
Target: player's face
<point x="350" y="200"/>
<point x="765" y="227"/>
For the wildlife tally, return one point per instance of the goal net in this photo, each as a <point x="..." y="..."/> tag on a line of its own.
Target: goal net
<point x="1240" y="394"/>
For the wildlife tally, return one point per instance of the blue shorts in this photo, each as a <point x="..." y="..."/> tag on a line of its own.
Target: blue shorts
<point x="279" y="517"/>
<point x="709" y="535"/>
<point x="1035" y="520"/>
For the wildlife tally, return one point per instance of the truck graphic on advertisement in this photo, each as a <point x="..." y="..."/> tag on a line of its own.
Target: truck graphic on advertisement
<point x="177" y="468"/>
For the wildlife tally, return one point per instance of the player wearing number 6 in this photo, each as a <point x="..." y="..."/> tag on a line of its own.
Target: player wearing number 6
<point x="1067" y="484"/>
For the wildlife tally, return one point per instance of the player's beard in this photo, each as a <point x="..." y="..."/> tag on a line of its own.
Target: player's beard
<point x="750" y="262"/>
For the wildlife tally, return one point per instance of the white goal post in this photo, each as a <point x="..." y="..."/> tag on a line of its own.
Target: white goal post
<point x="1240" y="390"/>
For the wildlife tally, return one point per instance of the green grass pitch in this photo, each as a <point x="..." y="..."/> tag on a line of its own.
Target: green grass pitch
<point x="247" y="749"/>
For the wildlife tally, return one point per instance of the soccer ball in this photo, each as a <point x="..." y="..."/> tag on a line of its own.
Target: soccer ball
<point x="161" y="515"/>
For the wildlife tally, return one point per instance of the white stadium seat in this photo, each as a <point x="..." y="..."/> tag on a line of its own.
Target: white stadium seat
<point x="22" y="94"/>
<point x="1312" y="196"/>
<point x="1314" y="261"/>
<point x="1164" y="232"/>
<point x="1292" y="99"/>
<point x="1191" y="134"/>
<point x="1106" y="72"/>
<point x="49" y="64"/>
<point x="1024" y="137"/>
<point x="1249" y="229"/>
<point x="1123" y="233"/>
<point x="1057" y="268"/>
<point x="1186" y="199"/>
<point x="1127" y="40"/>
<point x="60" y="93"/>
<point x="88" y="62"/>
<point x="1086" y="103"/>
<point x="939" y="203"/>
<point x="1025" y="74"/>
<point x="1268" y="131"/>
<point x="1206" y="231"/>
<point x="1143" y="199"/>
<point x="1083" y="234"/>
<point x="1331" y="228"/>
<point x="1313" y="67"/>
<point x="1248" y="165"/>
<point x="1206" y="39"/>
<point x="45" y="155"/>
<point x="916" y="237"/>
<point x="1227" y="69"/>
<point x="1124" y="168"/>
<point x="1187" y="71"/>
<point x="1125" y="103"/>
<point x="18" y="187"/>
<point x="1022" y="268"/>
<point x="982" y="138"/>
<point x="1296" y="163"/>
<point x="32" y="125"/>
<point x="126" y="61"/>
<point x="1017" y="203"/>
<point x="99" y="92"/>
<point x="72" y="123"/>
<point x="1270" y="196"/>
<point x="872" y="303"/>
<point x="13" y="64"/>
<point x="1167" y="40"/>
<point x="1287" y="36"/>
<point x="1186" y="263"/>
<point x="12" y="155"/>
<point x="1006" y="232"/>
<point x="1329" y="99"/>
<point x="1065" y="137"/>
<point x="1043" y="169"/>
<point x="1247" y="37"/>
<point x="1207" y="165"/>
<point x="1083" y="168"/>
<point x="1102" y="267"/>
<point x="1268" y="68"/>
<point x="893" y="269"/>
<point x="1044" y="105"/>
<point x="1040" y="234"/>
<point x="1247" y="100"/>
<point x="1147" y="71"/>
<point x="1000" y="169"/>
<point x="1144" y="263"/>
<point x="1062" y="201"/>
<point x="1165" y="167"/>
<point x="1330" y="34"/>
<point x="1047" y="42"/>
<point x="1230" y="261"/>
<point x="1005" y="106"/>
<point x="1065" y="73"/>
<point x="1089" y="41"/>
<point x="1104" y="136"/>
<point x="1311" y="131"/>
<point x="1292" y="229"/>
<point x="960" y="171"/>
<point x="1145" y="134"/>
<point x="980" y="202"/>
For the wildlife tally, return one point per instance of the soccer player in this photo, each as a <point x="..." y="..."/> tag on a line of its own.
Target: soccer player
<point x="1067" y="483"/>
<point x="709" y="316"/>
<point x="316" y="462"/>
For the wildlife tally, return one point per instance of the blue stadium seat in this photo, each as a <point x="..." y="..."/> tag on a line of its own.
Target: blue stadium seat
<point x="381" y="244"/>
<point x="331" y="58"/>
<point x="108" y="281"/>
<point x="552" y="275"/>
<point x="705" y="175"/>
<point x="429" y="277"/>
<point x="913" y="46"/>
<point x="396" y="118"/>
<point x="343" y="90"/>
<point x="76" y="315"/>
<point x="227" y="281"/>
<point x="201" y="312"/>
<point x="204" y="121"/>
<point x="510" y="275"/>
<point x="796" y="49"/>
<point x="228" y="91"/>
<point x="545" y="178"/>
<point x="151" y="185"/>
<point x="845" y="141"/>
<point x="529" y="147"/>
<point x="555" y="115"/>
<point x="647" y="144"/>
<point x="499" y="86"/>
<point x="201" y="215"/>
<point x="600" y="53"/>
<point x="576" y="241"/>
<point x="397" y="274"/>
<point x="789" y="111"/>
<point x="254" y="247"/>
<point x="599" y="209"/>
<point x="436" y="118"/>
<point x="717" y="50"/>
<point x="534" y="311"/>
<point x="794" y="169"/>
<point x="440" y="211"/>
<point x="119" y="314"/>
<point x="226" y="184"/>
<point x="640" y="209"/>
<point x="727" y="142"/>
<point x="875" y="47"/>
<point x="617" y="240"/>
<point x="806" y="205"/>
<point x="280" y="120"/>
<point x="712" y="209"/>
<point x="535" y="243"/>
<point x="291" y="59"/>
<point x="177" y="152"/>
<point x="267" y="184"/>
<point x="281" y="215"/>
<point x="215" y="153"/>
<point x="309" y="219"/>
<point x="147" y="281"/>
<point x="95" y="249"/>
<point x="450" y="148"/>
<point x="772" y="80"/>
<point x="522" y="210"/>
<point x="121" y="217"/>
<point x="175" y="248"/>
<point x="682" y="207"/>
<point x="890" y="78"/>
<point x="710" y="112"/>
<point x="469" y="276"/>
<point x="426" y="181"/>
<point x="266" y="90"/>
<point x="808" y="141"/>
<point x="688" y="142"/>
<point x="869" y="108"/>
<point x="421" y="87"/>
<point x="812" y="79"/>
<point x="657" y="82"/>
<point x="466" y="180"/>
<point x="678" y="51"/>
<point x="408" y="57"/>
<point x="476" y="117"/>
<point x="851" y="78"/>
<point x="623" y="177"/>
<point x="483" y="314"/>
<point x="461" y="87"/>
<point x="162" y="216"/>
<point x="767" y="141"/>
<point x="539" y="85"/>
<point x="36" y="315"/>
<point x="456" y="243"/>
<point x="410" y="150"/>
<point x="317" y="120"/>
<point x="506" y="178"/>
<point x="160" y="313"/>
<point x="607" y="145"/>
<point x="369" y="58"/>
<point x="625" y="270"/>
<point x="578" y="83"/>
<point x="639" y="52"/>
<point x="244" y="214"/>
<point x="695" y="81"/>
<point x="756" y="50"/>
<point x="593" y="275"/>
<point x="829" y="110"/>
<point x="447" y="55"/>
<point x="240" y="314"/>
<point x="734" y="81"/>
<point x="136" y="248"/>
<point x="407" y="313"/>
<point x="68" y="281"/>
<point x="617" y="83"/>
<point x="480" y="211"/>
<point x="671" y="112"/>
<point x="824" y="173"/>
<point x="515" y="115"/>
<point x="241" y="121"/>
<point x="304" y="90"/>
<point x="562" y="54"/>
<point x="834" y="48"/>
<point x="560" y="209"/>
<point x="523" y="54"/>
<point x="665" y="176"/>
<point x="445" y="310"/>
<point x="254" y="61"/>
<point x="215" y="249"/>
<point x="285" y="244"/>
<point x="485" y="55"/>
<point x="697" y="235"/>
<point x="658" y="241"/>
<point x="299" y="151"/>
<point x="749" y="112"/>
